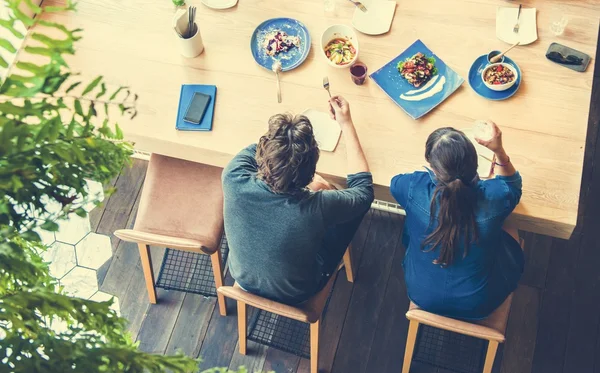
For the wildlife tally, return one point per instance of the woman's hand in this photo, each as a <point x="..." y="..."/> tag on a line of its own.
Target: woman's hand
<point x="339" y="110"/>
<point x="495" y="142"/>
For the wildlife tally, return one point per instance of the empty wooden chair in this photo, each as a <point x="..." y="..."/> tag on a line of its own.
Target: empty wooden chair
<point x="308" y="312"/>
<point x="181" y="207"/>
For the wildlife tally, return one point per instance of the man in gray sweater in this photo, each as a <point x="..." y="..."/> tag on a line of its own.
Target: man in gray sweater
<point x="287" y="228"/>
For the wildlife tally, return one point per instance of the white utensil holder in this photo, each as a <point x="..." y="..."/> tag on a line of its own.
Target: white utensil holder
<point x="193" y="46"/>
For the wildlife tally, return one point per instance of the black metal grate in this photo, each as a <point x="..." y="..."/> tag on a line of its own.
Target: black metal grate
<point x="448" y="350"/>
<point x="283" y="333"/>
<point x="189" y="272"/>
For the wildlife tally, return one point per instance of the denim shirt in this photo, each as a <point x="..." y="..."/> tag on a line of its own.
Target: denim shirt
<point x="471" y="286"/>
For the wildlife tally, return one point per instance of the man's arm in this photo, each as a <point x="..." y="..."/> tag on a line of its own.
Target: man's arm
<point x="355" y="157"/>
<point x="243" y="164"/>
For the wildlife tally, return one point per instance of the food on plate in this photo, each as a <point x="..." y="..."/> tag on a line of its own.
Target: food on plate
<point x="417" y="69"/>
<point x="498" y="75"/>
<point x="280" y="42"/>
<point x="340" y="51"/>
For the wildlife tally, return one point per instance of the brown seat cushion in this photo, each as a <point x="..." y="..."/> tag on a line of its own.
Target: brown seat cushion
<point x="309" y="311"/>
<point x="182" y="200"/>
<point x="491" y="328"/>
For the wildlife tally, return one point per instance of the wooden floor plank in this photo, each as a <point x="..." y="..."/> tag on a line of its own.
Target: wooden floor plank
<point x="191" y="326"/>
<point x="387" y="349"/>
<point x="120" y="205"/>
<point x="221" y="336"/>
<point x="280" y="362"/>
<point x="161" y="317"/>
<point x="254" y="361"/>
<point x="367" y="296"/>
<point x="331" y="328"/>
<point x="521" y="331"/>
<point x="537" y="256"/>
<point x="555" y="307"/>
<point x="96" y="214"/>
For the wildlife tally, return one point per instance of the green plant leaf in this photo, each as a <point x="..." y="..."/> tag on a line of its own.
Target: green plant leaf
<point x="102" y="90"/>
<point x="31" y="67"/>
<point x="72" y="87"/>
<point x="49" y="225"/>
<point x="3" y="62"/>
<point x="114" y="95"/>
<point x="7" y="45"/>
<point x="92" y="85"/>
<point x="118" y="132"/>
<point x="9" y="25"/>
<point x="78" y="108"/>
<point x="34" y="7"/>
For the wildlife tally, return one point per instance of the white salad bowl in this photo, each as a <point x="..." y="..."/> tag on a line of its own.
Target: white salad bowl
<point x="500" y="87"/>
<point x="339" y="31"/>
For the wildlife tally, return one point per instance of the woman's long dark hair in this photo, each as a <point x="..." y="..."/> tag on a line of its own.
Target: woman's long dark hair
<point x="454" y="161"/>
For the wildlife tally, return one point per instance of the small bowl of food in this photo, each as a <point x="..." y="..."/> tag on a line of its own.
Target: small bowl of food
<point x="499" y="76"/>
<point x="339" y="44"/>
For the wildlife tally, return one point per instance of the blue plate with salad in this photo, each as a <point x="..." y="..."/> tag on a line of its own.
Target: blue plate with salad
<point x="417" y="80"/>
<point x="284" y="39"/>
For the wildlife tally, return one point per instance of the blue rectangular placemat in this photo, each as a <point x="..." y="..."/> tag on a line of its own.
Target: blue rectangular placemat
<point x="187" y="91"/>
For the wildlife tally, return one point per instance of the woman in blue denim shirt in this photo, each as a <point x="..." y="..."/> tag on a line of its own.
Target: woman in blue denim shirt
<point x="459" y="261"/>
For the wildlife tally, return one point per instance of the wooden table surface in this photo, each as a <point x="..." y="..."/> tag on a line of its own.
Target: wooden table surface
<point x="132" y="43"/>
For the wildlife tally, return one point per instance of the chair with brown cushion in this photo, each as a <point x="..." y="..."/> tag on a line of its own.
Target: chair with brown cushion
<point x="491" y="329"/>
<point x="308" y="312"/>
<point x="181" y="207"/>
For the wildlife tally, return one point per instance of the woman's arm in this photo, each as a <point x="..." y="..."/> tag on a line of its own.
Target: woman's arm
<point x="503" y="166"/>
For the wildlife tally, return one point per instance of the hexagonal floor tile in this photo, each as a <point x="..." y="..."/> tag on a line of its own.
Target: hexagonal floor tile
<point x="95" y="191"/>
<point x="61" y="257"/>
<point x="101" y="296"/>
<point x="46" y="236"/>
<point x="73" y="229"/>
<point x="80" y="282"/>
<point x="93" y="251"/>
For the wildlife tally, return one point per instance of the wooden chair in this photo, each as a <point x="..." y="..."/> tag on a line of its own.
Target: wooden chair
<point x="181" y="207"/>
<point x="309" y="312"/>
<point x="492" y="328"/>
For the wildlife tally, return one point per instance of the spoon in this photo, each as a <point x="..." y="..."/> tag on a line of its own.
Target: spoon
<point x="499" y="57"/>
<point x="277" y="69"/>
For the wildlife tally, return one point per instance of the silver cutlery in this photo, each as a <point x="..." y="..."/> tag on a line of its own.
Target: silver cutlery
<point x="191" y="20"/>
<point x="359" y="5"/>
<point x="516" y="28"/>
<point x="277" y="69"/>
<point x="326" y="85"/>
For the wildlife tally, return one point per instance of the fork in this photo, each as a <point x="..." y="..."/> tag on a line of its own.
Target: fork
<point x="359" y="5"/>
<point x="326" y="85"/>
<point x="516" y="28"/>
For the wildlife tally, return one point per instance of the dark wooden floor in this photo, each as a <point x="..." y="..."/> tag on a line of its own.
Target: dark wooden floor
<point x="553" y="327"/>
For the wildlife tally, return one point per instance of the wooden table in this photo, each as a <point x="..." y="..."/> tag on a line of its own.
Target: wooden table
<point x="544" y="124"/>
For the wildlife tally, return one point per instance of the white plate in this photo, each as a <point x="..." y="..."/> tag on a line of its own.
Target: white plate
<point x="377" y="19"/>
<point x="327" y="131"/>
<point x="220" y="4"/>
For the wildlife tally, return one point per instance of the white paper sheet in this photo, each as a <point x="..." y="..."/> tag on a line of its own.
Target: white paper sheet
<point x="506" y="18"/>
<point x="327" y="131"/>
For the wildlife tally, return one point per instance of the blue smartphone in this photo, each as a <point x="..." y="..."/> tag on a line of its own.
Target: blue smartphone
<point x="196" y="108"/>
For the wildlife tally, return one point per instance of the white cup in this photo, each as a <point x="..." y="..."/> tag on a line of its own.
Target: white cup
<point x="192" y="47"/>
